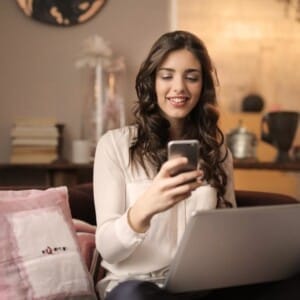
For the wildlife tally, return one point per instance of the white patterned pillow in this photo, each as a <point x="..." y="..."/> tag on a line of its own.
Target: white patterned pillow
<point x="39" y="252"/>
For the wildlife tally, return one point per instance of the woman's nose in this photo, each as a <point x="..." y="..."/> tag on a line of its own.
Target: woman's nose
<point x="178" y="84"/>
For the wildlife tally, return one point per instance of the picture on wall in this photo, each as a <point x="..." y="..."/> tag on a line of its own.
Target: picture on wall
<point x="61" y="13"/>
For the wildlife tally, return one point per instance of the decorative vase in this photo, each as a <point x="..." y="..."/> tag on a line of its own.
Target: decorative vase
<point x="278" y="129"/>
<point x="104" y="109"/>
<point x="103" y="102"/>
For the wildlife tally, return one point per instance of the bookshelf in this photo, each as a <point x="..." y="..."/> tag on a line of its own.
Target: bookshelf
<point x="44" y="175"/>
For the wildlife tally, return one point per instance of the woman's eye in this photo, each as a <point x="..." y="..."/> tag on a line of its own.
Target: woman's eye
<point x="166" y="77"/>
<point x="192" y="78"/>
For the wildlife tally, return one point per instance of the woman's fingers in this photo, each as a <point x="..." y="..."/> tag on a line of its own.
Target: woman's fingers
<point x="171" y="166"/>
<point x="169" y="189"/>
<point x="192" y="177"/>
<point x="182" y="189"/>
<point x="175" y="199"/>
<point x="178" y="188"/>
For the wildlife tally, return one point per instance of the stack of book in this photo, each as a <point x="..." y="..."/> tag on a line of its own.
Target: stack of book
<point x="34" y="141"/>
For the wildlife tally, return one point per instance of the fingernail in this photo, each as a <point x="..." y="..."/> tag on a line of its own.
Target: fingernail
<point x="199" y="179"/>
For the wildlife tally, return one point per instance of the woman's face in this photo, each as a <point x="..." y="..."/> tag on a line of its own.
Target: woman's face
<point x="178" y="85"/>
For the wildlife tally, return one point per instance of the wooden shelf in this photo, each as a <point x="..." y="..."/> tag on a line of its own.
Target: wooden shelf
<point x="44" y="175"/>
<point x="293" y="166"/>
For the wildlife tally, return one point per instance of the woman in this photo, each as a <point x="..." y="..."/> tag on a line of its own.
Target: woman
<point x="141" y="209"/>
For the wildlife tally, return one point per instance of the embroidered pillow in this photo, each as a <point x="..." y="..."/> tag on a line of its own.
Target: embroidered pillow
<point x="39" y="252"/>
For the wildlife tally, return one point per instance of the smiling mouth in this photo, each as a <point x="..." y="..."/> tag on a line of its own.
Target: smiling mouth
<point x="177" y="100"/>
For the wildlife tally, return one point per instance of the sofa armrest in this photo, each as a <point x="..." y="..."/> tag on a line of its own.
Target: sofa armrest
<point x="87" y="246"/>
<point x="86" y="237"/>
<point x="82" y="226"/>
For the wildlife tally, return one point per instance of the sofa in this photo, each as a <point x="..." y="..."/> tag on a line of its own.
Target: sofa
<point x="50" y="234"/>
<point x="81" y="200"/>
<point x="83" y="211"/>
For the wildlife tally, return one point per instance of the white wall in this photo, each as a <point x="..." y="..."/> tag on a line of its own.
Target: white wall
<point x="37" y="75"/>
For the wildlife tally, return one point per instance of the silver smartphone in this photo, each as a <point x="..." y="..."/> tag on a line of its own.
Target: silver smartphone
<point x="186" y="148"/>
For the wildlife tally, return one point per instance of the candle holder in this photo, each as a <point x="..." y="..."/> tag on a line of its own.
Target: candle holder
<point x="60" y="158"/>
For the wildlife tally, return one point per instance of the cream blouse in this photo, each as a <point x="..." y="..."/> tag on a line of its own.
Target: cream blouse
<point x="127" y="254"/>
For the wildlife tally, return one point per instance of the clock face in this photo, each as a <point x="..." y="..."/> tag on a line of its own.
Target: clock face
<point x="61" y="12"/>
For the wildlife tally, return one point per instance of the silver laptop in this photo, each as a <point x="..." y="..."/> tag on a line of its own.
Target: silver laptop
<point x="239" y="246"/>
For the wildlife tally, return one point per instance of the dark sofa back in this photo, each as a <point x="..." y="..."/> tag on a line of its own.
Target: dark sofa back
<point x="81" y="199"/>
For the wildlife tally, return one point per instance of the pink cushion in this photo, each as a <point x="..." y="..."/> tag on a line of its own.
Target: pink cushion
<point x="82" y="226"/>
<point x="87" y="246"/>
<point x="39" y="253"/>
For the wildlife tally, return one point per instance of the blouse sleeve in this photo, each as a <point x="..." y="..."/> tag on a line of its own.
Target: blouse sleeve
<point x="115" y="239"/>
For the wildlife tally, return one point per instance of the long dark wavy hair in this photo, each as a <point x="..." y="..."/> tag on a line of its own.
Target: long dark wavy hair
<point x="150" y="145"/>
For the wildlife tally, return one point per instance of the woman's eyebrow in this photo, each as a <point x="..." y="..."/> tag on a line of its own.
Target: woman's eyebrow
<point x="166" y="69"/>
<point x="193" y="70"/>
<point x="186" y="71"/>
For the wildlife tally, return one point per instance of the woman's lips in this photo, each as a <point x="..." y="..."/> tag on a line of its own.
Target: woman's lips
<point x="177" y="101"/>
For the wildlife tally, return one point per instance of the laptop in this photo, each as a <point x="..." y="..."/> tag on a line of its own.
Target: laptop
<point x="239" y="246"/>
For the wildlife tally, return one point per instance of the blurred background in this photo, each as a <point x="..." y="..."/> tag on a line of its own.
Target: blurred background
<point x="254" y="44"/>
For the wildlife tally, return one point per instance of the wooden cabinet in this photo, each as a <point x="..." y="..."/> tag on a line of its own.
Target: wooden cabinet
<point x="44" y="175"/>
<point x="281" y="178"/>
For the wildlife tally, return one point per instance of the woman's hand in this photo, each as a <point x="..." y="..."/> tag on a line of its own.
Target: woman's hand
<point x="165" y="191"/>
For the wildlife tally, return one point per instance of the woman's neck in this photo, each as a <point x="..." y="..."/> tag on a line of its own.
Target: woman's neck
<point x="176" y="131"/>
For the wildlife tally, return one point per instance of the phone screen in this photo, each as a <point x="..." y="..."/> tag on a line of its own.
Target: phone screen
<point x="186" y="148"/>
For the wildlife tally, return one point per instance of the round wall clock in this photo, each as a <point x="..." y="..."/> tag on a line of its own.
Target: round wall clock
<point x="61" y="12"/>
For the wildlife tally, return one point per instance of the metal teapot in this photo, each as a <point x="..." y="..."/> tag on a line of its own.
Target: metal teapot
<point x="242" y="143"/>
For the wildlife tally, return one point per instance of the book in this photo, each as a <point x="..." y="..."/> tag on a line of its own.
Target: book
<point x="34" y="142"/>
<point x="34" y="131"/>
<point x="34" y="149"/>
<point x="33" y="158"/>
<point x="27" y="121"/>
